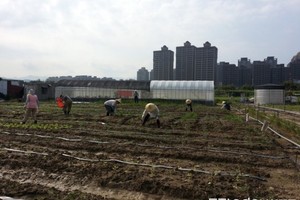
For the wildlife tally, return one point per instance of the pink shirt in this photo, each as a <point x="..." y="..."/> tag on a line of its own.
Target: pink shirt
<point x="32" y="101"/>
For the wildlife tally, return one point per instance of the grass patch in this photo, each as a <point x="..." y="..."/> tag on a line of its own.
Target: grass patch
<point x="233" y="118"/>
<point x="189" y="116"/>
<point x="43" y="126"/>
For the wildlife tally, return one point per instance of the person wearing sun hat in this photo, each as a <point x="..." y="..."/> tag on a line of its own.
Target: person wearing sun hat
<point x="151" y="111"/>
<point x="225" y="105"/>
<point x="31" y="106"/>
<point x="111" y="106"/>
<point x="188" y="103"/>
<point x="67" y="103"/>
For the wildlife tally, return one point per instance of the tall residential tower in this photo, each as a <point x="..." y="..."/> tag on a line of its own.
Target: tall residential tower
<point x="163" y="62"/>
<point x="206" y="62"/>
<point x="193" y="63"/>
<point x="185" y="61"/>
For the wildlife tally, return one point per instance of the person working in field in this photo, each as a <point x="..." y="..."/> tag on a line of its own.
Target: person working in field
<point x="67" y="103"/>
<point x="111" y="106"/>
<point x="188" y="104"/>
<point x="136" y="96"/>
<point x="31" y="106"/>
<point x="151" y="111"/>
<point x="225" y="105"/>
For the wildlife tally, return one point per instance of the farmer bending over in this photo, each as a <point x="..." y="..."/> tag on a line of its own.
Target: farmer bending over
<point x="188" y="103"/>
<point x="151" y="111"/>
<point x="225" y="105"/>
<point x="111" y="106"/>
<point x="67" y="101"/>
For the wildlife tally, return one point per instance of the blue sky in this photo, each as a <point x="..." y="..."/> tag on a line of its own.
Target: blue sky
<point x="115" y="38"/>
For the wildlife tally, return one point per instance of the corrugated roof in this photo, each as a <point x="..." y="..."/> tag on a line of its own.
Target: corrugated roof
<point x="113" y="84"/>
<point x="269" y="86"/>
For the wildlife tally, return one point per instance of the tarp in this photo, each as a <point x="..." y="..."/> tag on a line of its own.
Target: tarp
<point x="59" y="102"/>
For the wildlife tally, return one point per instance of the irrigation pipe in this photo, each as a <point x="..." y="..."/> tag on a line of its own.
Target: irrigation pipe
<point x="275" y="132"/>
<point x="140" y="164"/>
<point x="154" y="146"/>
<point x="278" y="134"/>
<point x="25" y="152"/>
<point x="167" y="167"/>
<point x="217" y="151"/>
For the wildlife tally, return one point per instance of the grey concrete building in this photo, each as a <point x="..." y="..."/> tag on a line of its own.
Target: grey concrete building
<point x="277" y="74"/>
<point x="151" y="74"/>
<point x="227" y="74"/>
<point x="205" y="62"/>
<point x="163" y="64"/>
<point x="143" y="74"/>
<point x="245" y="70"/>
<point x="244" y="61"/>
<point x="293" y="69"/>
<point x="261" y="73"/>
<point x="185" y="61"/>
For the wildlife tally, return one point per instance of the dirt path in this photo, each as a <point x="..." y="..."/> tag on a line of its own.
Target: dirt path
<point x="205" y="154"/>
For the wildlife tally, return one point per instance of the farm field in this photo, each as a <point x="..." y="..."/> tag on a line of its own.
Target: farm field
<point x="207" y="153"/>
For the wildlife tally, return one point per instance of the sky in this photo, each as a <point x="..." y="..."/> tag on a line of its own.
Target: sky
<point x="115" y="38"/>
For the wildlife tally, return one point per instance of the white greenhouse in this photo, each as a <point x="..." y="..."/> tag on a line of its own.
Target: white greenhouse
<point x="195" y="90"/>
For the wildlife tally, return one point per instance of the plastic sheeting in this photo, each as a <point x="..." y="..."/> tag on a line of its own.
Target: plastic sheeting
<point x="195" y="90"/>
<point x="172" y="90"/>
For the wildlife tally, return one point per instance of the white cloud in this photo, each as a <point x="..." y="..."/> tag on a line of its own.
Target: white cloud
<point x="116" y="38"/>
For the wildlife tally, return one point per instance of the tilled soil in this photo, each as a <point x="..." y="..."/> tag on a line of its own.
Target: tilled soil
<point x="208" y="153"/>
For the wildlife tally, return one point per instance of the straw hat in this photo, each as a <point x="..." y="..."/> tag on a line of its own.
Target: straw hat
<point x="188" y="101"/>
<point x="118" y="100"/>
<point x="223" y="102"/>
<point x="31" y="91"/>
<point x="150" y="107"/>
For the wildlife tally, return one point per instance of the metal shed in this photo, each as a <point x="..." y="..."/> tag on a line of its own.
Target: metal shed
<point x="269" y="94"/>
<point x="87" y="89"/>
<point x="44" y="91"/>
<point x="195" y="90"/>
<point x="11" y="88"/>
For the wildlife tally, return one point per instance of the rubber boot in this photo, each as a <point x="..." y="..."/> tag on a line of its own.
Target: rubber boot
<point x="146" y="119"/>
<point x="158" y="123"/>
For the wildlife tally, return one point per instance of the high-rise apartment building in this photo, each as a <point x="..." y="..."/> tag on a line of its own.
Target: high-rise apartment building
<point x="143" y="74"/>
<point x="163" y="62"/>
<point x="293" y="69"/>
<point x="151" y="74"/>
<point x="244" y="61"/>
<point x="205" y="62"/>
<point x="245" y="72"/>
<point x="194" y="63"/>
<point x="277" y="74"/>
<point x="185" y="61"/>
<point x="227" y="74"/>
<point x="251" y="74"/>
<point x="261" y="73"/>
<point x="271" y="61"/>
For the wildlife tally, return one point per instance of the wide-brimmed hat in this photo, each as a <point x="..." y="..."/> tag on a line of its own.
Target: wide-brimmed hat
<point x="31" y="91"/>
<point x="150" y="107"/>
<point x="188" y="101"/>
<point x="118" y="100"/>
